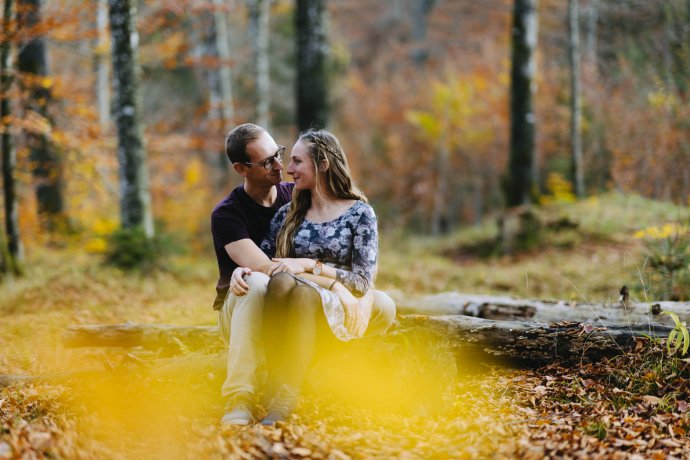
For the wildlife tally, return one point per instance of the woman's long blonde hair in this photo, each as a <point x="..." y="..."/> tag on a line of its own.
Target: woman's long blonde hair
<point x="321" y="145"/>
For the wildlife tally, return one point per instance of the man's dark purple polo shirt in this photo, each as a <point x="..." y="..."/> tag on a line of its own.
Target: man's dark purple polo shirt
<point x="238" y="217"/>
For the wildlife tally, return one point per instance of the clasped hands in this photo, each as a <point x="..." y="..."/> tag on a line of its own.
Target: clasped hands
<point x="295" y="266"/>
<point x="357" y="311"/>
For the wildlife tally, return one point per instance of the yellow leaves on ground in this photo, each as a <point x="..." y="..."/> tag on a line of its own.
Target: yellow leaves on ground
<point x="100" y="229"/>
<point x="560" y="190"/>
<point x="668" y="230"/>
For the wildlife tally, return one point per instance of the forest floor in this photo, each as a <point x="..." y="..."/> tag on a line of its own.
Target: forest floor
<point x="420" y="402"/>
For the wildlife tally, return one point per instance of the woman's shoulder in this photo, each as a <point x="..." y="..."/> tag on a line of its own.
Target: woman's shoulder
<point x="362" y="207"/>
<point x="361" y="210"/>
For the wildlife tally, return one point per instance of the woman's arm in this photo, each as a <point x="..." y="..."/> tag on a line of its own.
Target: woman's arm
<point x="365" y="250"/>
<point x="364" y="258"/>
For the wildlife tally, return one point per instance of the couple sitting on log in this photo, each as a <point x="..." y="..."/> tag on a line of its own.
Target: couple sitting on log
<point x="297" y="262"/>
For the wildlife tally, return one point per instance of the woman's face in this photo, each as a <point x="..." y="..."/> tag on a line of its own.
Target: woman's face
<point x="301" y="167"/>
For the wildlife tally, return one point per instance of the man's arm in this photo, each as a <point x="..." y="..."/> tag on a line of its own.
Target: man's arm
<point x="246" y="253"/>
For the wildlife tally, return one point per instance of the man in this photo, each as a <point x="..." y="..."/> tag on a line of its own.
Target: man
<point x="238" y="224"/>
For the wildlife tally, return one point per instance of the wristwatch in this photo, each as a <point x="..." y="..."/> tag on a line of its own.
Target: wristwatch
<point x="317" y="268"/>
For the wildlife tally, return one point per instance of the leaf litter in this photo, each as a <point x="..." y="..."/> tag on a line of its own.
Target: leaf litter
<point x="631" y="406"/>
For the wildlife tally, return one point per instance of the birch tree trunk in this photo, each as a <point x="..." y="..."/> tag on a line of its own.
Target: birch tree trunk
<point x="260" y="11"/>
<point x="135" y="198"/>
<point x="220" y="83"/>
<point x="101" y="64"/>
<point x="225" y="71"/>
<point x="521" y="180"/>
<point x="312" y="52"/>
<point x="204" y="33"/>
<point x="600" y="170"/>
<point x="33" y="62"/>
<point x="14" y="252"/>
<point x="575" y="98"/>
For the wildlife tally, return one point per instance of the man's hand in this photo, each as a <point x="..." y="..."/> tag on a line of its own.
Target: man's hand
<point x="237" y="284"/>
<point x="294" y="266"/>
<point x="357" y="311"/>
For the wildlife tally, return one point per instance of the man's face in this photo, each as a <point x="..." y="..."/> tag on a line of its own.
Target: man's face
<point x="259" y="150"/>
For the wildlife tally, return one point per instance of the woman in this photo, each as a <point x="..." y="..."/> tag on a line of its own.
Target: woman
<point x="325" y="245"/>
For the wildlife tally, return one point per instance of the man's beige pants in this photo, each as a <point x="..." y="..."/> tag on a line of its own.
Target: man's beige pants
<point x="240" y="324"/>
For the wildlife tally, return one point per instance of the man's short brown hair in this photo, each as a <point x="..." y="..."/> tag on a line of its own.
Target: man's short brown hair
<point x="237" y="140"/>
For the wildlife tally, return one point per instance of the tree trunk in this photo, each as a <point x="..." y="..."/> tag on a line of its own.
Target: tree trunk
<point x="213" y="75"/>
<point x="592" y="29"/>
<point x="224" y="55"/>
<point x="259" y="14"/>
<point x="575" y="98"/>
<point x="520" y="182"/>
<point x="420" y="18"/>
<point x="439" y="211"/>
<point x="15" y="253"/>
<point x="4" y="256"/>
<point x="225" y="107"/>
<point x="677" y="49"/>
<point x="135" y="198"/>
<point x="101" y="65"/>
<point x="33" y="63"/>
<point x="312" y="52"/>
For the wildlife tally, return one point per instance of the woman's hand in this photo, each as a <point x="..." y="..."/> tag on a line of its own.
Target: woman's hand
<point x="289" y="265"/>
<point x="237" y="284"/>
<point x="357" y="311"/>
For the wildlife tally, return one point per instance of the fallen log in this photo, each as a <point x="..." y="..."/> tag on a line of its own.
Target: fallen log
<point x="528" y="342"/>
<point x="209" y="367"/>
<point x="531" y="341"/>
<point x="7" y="380"/>
<point x="171" y="339"/>
<point x="509" y="308"/>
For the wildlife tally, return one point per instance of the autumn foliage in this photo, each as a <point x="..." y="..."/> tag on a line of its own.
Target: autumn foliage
<point x="419" y="99"/>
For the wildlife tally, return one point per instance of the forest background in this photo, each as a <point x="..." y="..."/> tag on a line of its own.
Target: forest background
<point x="419" y="95"/>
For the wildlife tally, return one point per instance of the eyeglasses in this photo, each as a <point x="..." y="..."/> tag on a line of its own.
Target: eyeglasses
<point x="267" y="163"/>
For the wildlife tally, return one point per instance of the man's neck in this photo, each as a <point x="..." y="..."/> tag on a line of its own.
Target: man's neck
<point x="265" y="196"/>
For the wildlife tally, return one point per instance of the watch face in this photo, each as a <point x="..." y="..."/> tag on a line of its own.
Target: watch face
<point x="317" y="268"/>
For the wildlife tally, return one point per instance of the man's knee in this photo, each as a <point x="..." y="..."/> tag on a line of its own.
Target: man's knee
<point x="243" y="311"/>
<point x="252" y="302"/>
<point x="257" y="282"/>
